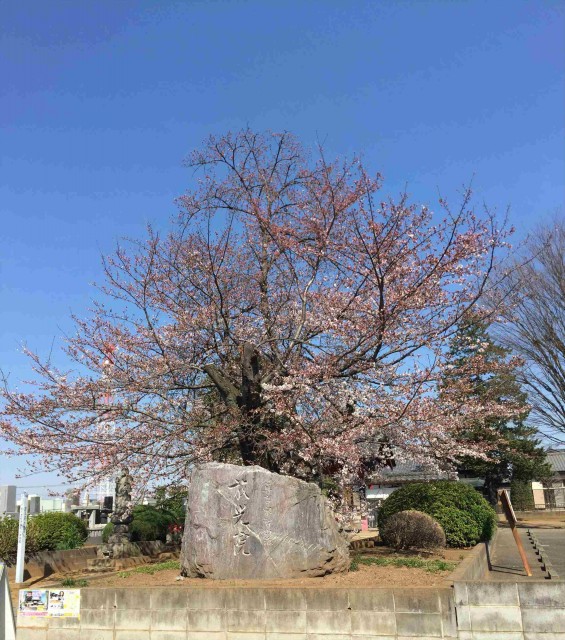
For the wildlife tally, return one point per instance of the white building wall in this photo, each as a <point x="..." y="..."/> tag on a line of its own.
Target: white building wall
<point x="7" y="499"/>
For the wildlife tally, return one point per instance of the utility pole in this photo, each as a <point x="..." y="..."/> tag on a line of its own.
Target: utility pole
<point x="21" y="539"/>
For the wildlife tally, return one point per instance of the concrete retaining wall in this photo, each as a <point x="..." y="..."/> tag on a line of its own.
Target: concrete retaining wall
<point x="252" y="614"/>
<point x="475" y="566"/>
<point x="471" y="611"/>
<point x="533" y="610"/>
<point x="44" y="563"/>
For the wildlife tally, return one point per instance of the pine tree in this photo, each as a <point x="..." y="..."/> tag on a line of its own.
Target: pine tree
<point x="482" y="370"/>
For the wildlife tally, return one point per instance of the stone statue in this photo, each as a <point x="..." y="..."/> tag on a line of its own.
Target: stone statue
<point x="119" y="544"/>
<point x="122" y="514"/>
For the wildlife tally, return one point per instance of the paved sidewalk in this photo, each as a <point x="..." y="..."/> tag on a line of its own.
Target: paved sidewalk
<point x="506" y="562"/>
<point x="553" y="542"/>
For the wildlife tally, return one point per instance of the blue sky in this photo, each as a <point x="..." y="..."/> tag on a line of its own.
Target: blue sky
<point x="101" y="102"/>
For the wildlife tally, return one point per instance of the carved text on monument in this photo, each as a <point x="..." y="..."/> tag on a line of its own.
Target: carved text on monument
<point x="240" y="502"/>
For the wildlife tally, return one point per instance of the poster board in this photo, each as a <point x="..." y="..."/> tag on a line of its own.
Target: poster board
<point x="51" y="603"/>
<point x="33" y="602"/>
<point x="64" y="603"/>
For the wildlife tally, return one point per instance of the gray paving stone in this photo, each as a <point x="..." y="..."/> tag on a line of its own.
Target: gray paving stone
<point x="541" y="594"/>
<point x="327" y="599"/>
<point x="416" y="600"/>
<point x="492" y="593"/>
<point x="418" y="624"/>
<point x="544" y="620"/>
<point x="491" y="619"/>
<point x="246" y="621"/>
<point x="373" y="623"/>
<point x="169" y="620"/>
<point x="371" y="600"/>
<point x="169" y="598"/>
<point x="282" y="599"/>
<point x="336" y="622"/>
<point x="286" y="621"/>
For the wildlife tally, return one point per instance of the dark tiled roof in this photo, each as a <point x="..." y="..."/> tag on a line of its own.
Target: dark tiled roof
<point x="406" y="472"/>
<point x="557" y="460"/>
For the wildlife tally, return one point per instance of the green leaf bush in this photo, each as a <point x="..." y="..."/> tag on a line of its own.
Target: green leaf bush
<point x="464" y="515"/>
<point x="522" y="495"/>
<point x="8" y="539"/>
<point x="460" y="528"/>
<point x="107" y="532"/>
<point x="55" y="530"/>
<point x="149" y="523"/>
<point x="45" y="532"/>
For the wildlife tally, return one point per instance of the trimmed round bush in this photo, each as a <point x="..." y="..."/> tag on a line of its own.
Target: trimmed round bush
<point x="413" y="530"/>
<point x="456" y="506"/>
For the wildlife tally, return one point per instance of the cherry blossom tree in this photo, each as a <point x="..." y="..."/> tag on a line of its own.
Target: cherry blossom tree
<point x="291" y="319"/>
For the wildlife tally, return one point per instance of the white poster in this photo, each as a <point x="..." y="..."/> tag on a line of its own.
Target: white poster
<point x="64" y="603"/>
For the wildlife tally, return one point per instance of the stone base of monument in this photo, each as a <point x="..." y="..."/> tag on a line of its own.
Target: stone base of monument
<point x="115" y="564"/>
<point x="118" y="549"/>
<point x="249" y="523"/>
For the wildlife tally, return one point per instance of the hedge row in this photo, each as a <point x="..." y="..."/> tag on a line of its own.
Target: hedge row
<point x="45" y="532"/>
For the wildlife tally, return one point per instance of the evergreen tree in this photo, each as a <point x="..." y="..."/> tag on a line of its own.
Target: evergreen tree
<point x="483" y="370"/>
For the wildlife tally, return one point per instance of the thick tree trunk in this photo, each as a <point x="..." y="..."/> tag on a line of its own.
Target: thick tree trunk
<point x="247" y="397"/>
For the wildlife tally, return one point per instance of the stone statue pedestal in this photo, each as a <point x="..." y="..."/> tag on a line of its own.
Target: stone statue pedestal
<point x="118" y="550"/>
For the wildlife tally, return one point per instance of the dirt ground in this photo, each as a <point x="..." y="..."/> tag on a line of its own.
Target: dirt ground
<point x="364" y="576"/>
<point x="539" y="519"/>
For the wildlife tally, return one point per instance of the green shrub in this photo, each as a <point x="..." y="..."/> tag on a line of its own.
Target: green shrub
<point x="460" y="528"/>
<point x="8" y="539"/>
<point x="521" y="495"/>
<point x="107" y="532"/>
<point x="71" y="582"/>
<point x="453" y="504"/>
<point x="55" y="530"/>
<point x="45" y="532"/>
<point x="413" y="530"/>
<point x="149" y="523"/>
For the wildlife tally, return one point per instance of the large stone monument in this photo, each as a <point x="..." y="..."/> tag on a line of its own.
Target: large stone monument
<point x="246" y="522"/>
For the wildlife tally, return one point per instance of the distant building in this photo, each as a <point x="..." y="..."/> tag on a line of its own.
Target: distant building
<point x="98" y="491"/>
<point x="7" y="500"/>
<point x="387" y="480"/>
<point x="556" y="459"/>
<point x="554" y="492"/>
<point x="55" y="504"/>
<point x="33" y="504"/>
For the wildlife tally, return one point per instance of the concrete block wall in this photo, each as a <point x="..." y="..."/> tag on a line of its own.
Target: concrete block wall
<point x="475" y="566"/>
<point x="252" y="614"/>
<point x="44" y="563"/>
<point x="477" y="610"/>
<point x="532" y="610"/>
